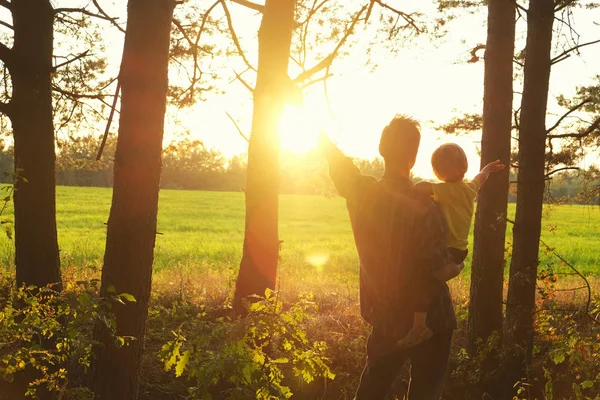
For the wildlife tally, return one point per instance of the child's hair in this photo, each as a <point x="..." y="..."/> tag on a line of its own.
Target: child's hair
<point x="449" y="163"/>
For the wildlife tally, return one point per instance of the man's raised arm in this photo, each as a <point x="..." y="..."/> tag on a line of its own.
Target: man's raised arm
<point x="346" y="176"/>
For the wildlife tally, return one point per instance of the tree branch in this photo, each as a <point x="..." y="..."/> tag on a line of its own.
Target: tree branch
<point x="549" y="174"/>
<point x="84" y="54"/>
<point x="327" y="61"/>
<point x="572" y="110"/>
<point x="234" y="37"/>
<point x="6" y="24"/>
<point x="565" y="53"/>
<point x="108" y="17"/>
<point x="246" y="84"/>
<point x="249" y="4"/>
<point x="6" y="54"/>
<point x="6" y="4"/>
<point x="593" y="126"/>
<point x="238" y="128"/>
<point x="409" y="19"/>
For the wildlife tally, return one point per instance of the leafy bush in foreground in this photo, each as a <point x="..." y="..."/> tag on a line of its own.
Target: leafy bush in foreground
<point x="250" y="358"/>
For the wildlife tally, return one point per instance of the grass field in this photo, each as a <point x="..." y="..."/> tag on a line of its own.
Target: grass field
<point x="202" y="231"/>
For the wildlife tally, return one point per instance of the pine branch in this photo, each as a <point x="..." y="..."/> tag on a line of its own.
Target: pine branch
<point x="243" y="81"/>
<point x="84" y="54"/>
<point x="238" y="128"/>
<point x="249" y="4"/>
<point x="572" y="110"/>
<point x="406" y="17"/>
<point x="327" y="61"/>
<point x="549" y="174"/>
<point x="565" y="54"/>
<point x="234" y="36"/>
<point x="100" y="15"/>
<point x="6" y="24"/>
<point x="112" y="20"/>
<point x="593" y="126"/>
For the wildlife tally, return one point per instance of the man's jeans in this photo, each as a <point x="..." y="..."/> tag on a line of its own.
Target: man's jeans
<point x="429" y="367"/>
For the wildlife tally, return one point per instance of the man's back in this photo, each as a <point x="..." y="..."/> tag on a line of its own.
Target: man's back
<point x="400" y="238"/>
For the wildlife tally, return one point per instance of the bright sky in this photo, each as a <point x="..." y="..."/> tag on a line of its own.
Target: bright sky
<point x="430" y="81"/>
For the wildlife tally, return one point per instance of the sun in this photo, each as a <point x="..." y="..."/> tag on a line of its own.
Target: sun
<point x="299" y="128"/>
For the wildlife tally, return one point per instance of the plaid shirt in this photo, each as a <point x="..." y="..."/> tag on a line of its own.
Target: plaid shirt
<point x="400" y="238"/>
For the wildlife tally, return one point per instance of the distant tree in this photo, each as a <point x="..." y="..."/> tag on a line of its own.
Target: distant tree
<point x="487" y="271"/>
<point x="131" y="231"/>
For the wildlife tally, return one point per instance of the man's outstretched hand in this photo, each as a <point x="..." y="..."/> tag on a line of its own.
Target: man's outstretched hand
<point x="325" y="145"/>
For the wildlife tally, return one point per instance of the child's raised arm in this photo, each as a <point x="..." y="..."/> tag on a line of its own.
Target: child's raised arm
<point x="424" y="188"/>
<point x="482" y="176"/>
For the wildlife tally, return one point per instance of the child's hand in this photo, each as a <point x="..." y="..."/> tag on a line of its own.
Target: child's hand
<point x="494" y="166"/>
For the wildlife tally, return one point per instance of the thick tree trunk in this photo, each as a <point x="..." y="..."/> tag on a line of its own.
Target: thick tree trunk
<point x="36" y="244"/>
<point x="258" y="268"/>
<point x="132" y="221"/>
<point x="487" y="272"/>
<point x="530" y="188"/>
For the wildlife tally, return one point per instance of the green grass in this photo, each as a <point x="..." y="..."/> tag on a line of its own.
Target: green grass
<point x="201" y="231"/>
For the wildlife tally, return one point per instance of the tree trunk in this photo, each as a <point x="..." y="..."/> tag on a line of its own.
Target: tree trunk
<point x="487" y="273"/>
<point x="36" y="245"/>
<point x="530" y="188"/>
<point x="132" y="222"/>
<point x="258" y="268"/>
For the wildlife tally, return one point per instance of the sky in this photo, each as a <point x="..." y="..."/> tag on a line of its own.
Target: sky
<point x="426" y="78"/>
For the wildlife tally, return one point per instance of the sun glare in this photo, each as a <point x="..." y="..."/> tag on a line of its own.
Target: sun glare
<point x="299" y="128"/>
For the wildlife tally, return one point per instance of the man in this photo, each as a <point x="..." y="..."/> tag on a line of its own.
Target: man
<point x="400" y="238"/>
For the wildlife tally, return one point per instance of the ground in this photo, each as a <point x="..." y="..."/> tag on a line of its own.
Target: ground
<point x="198" y="251"/>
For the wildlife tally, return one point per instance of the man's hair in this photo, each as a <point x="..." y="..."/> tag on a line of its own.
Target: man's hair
<point x="449" y="162"/>
<point x="400" y="140"/>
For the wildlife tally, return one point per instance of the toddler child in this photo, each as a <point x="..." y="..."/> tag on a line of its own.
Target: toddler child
<point x="455" y="198"/>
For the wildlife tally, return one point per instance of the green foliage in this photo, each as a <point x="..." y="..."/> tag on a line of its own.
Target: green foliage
<point x="45" y="335"/>
<point x="250" y="358"/>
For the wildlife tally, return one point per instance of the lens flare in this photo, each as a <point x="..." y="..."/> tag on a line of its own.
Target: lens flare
<point x="318" y="260"/>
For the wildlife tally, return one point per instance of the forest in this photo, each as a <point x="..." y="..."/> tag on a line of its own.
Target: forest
<point x="175" y="225"/>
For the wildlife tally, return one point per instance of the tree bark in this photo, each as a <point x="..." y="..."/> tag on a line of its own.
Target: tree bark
<point x="487" y="272"/>
<point x="530" y="188"/>
<point x="258" y="268"/>
<point x="36" y="245"/>
<point x="132" y="222"/>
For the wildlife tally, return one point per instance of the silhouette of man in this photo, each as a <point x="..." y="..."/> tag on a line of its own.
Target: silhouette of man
<point x="400" y="238"/>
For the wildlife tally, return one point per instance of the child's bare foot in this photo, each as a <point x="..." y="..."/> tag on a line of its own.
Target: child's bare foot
<point x="415" y="336"/>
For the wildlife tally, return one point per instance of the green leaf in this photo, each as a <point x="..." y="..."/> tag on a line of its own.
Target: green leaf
<point x="558" y="357"/>
<point x="181" y="363"/>
<point x="111" y="289"/>
<point x="587" y="384"/>
<point x="128" y="297"/>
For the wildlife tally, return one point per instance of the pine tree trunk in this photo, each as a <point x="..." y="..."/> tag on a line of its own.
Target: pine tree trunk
<point x="530" y="188"/>
<point x="487" y="272"/>
<point x="132" y="222"/>
<point x="36" y="245"/>
<point x="258" y="268"/>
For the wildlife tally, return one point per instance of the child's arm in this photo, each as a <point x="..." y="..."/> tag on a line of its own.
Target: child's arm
<point x="425" y="188"/>
<point x="482" y="176"/>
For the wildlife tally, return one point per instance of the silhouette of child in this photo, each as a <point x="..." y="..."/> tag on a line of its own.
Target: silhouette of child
<point x="455" y="198"/>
